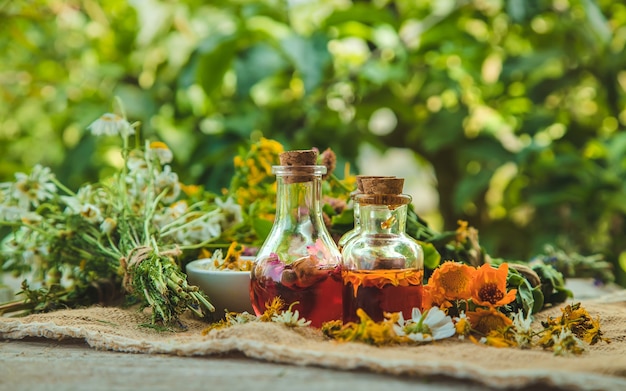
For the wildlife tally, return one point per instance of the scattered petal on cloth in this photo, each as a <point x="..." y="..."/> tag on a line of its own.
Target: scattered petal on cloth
<point x="601" y="367"/>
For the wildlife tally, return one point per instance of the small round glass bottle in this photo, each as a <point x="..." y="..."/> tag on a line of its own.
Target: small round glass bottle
<point x="355" y="210"/>
<point x="383" y="267"/>
<point x="299" y="261"/>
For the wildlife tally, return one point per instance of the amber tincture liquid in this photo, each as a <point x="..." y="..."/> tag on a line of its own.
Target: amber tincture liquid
<point x="316" y="289"/>
<point x="380" y="291"/>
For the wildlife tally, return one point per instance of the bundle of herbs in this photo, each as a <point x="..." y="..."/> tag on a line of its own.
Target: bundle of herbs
<point x="121" y="238"/>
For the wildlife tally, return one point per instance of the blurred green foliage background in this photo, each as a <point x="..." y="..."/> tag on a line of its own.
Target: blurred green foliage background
<point x="518" y="107"/>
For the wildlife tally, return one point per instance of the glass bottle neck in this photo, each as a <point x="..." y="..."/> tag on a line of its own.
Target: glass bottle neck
<point x="300" y="200"/>
<point x="383" y="219"/>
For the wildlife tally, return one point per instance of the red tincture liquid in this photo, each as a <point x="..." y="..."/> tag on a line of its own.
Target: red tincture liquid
<point x="316" y="289"/>
<point x="379" y="291"/>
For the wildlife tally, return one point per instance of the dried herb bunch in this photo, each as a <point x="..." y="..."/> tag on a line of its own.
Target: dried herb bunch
<point x="121" y="237"/>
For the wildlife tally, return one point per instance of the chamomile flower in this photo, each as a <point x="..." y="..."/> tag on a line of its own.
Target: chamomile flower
<point x="33" y="188"/>
<point x="110" y="124"/>
<point x="170" y="213"/>
<point x="136" y="164"/>
<point x="522" y="329"/>
<point x="11" y="212"/>
<point x="91" y="213"/>
<point x="462" y="325"/>
<point x="232" y="211"/>
<point x="167" y="181"/>
<point x="431" y="325"/>
<point x="108" y="225"/>
<point x="290" y="318"/>
<point x="233" y="318"/>
<point x="160" y="151"/>
<point x="198" y="230"/>
<point x="565" y="343"/>
<point x="85" y="195"/>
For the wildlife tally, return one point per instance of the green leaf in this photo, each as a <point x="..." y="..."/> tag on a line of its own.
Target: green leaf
<point x="346" y="217"/>
<point x="310" y="57"/>
<point x="538" y="298"/>
<point x="255" y="64"/>
<point x="261" y="227"/>
<point x="328" y="209"/>
<point x="432" y="258"/>
<point x="364" y="13"/>
<point x="216" y="56"/>
<point x="524" y="298"/>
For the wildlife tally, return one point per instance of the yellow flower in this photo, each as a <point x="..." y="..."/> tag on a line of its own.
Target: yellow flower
<point x="366" y="330"/>
<point x="489" y="286"/>
<point x="272" y="309"/>
<point x="190" y="190"/>
<point x="498" y="339"/>
<point x="462" y="325"/>
<point x="461" y="231"/>
<point x="484" y="321"/>
<point x="576" y="319"/>
<point x="452" y="281"/>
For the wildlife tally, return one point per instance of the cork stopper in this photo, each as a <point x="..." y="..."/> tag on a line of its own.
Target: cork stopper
<point x="383" y="191"/>
<point x="300" y="165"/>
<point x="359" y="180"/>
<point x="382" y="185"/>
<point x="306" y="157"/>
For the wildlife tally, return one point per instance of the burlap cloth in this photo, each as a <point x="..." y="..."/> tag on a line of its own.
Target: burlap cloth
<point x="601" y="367"/>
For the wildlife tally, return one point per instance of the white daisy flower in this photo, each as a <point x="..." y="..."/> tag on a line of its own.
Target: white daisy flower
<point x="137" y="186"/>
<point x="11" y="212"/>
<point x="566" y="342"/>
<point x="160" y="151"/>
<point x="234" y="318"/>
<point x="31" y="218"/>
<point x="75" y="203"/>
<point x="110" y="124"/>
<point x="291" y="319"/>
<point x="170" y="213"/>
<point x="107" y="226"/>
<point x="200" y="229"/>
<point x="136" y="164"/>
<point x="91" y="213"/>
<point x="232" y="211"/>
<point x="34" y="188"/>
<point x="522" y="329"/>
<point x="432" y="325"/>
<point x="167" y="179"/>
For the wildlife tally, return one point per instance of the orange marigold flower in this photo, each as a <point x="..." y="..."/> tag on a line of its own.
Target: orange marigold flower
<point x="427" y="297"/>
<point x="485" y="321"/>
<point x="452" y="281"/>
<point x="489" y="286"/>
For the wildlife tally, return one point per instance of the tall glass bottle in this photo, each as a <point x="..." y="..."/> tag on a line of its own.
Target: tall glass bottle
<point x="299" y="261"/>
<point x="383" y="267"/>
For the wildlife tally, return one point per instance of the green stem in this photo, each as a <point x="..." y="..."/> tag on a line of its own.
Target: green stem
<point x="200" y="245"/>
<point x="184" y="217"/>
<point x="206" y="216"/>
<point x="97" y="243"/>
<point x="62" y="186"/>
<point x="200" y="298"/>
<point x="343" y="187"/>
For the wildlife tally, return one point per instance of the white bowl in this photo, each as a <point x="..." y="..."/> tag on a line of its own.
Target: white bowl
<point x="227" y="289"/>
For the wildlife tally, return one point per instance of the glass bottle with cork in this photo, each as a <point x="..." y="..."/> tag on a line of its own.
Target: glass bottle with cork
<point x="299" y="261"/>
<point x="355" y="208"/>
<point x="383" y="267"/>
